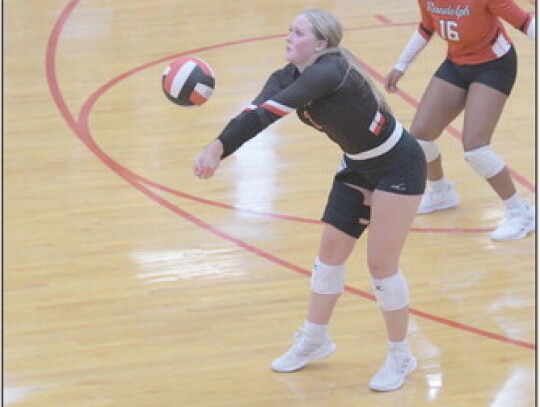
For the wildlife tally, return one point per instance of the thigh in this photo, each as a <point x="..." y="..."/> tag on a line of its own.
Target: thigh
<point x="336" y="246"/>
<point x="392" y="216"/>
<point x="441" y="103"/>
<point x="483" y="109"/>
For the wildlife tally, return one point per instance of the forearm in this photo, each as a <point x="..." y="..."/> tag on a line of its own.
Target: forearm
<point x="416" y="44"/>
<point x="239" y="130"/>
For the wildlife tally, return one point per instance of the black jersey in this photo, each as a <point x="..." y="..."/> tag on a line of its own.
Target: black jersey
<point x="328" y="95"/>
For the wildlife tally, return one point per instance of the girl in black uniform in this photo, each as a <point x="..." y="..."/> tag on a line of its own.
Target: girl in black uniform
<point x="380" y="183"/>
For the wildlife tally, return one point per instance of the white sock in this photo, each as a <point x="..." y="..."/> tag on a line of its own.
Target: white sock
<point x="513" y="202"/>
<point x="401" y="347"/>
<point x="439" y="185"/>
<point x="314" y="330"/>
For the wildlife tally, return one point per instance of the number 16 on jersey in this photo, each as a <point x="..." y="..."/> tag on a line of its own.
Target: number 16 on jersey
<point x="448" y="30"/>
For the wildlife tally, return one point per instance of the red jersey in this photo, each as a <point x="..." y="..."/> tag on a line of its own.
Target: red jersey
<point x="472" y="28"/>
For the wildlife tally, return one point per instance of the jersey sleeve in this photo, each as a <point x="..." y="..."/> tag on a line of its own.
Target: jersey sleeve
<point x="511" y="13"/>
<point x="419" y="39"/>
<point x="249" y="123"/>
<point x="425" y="27"/>
<point x="278" y="98"/>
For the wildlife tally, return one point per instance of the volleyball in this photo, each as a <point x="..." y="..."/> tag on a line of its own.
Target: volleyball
<point x="188" y="81"/>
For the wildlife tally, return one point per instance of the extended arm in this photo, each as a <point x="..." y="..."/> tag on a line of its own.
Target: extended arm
<point x="281" y="95"/>
<point x="416" y="44"/>
<point x="514" y="15"/>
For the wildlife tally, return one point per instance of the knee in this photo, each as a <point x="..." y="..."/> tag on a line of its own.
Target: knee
<point x="380" y="266"/>
<point x="484" y="161"/>
<point x="421" y="130"/>
<point x="327" y="279"/>
<point x="430" y="149"/>
<point x="391" y="293"/>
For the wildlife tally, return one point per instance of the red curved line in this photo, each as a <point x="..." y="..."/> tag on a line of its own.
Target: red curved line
<point x="375" y="74"/>
<point x="281" y="216"/>
<point x="50" y="66"/>
<point x="110" y="84"/>
<point x="81" y="130"/>
<point x="132" y="178"/>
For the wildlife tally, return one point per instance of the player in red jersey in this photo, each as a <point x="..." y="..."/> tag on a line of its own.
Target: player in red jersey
<point x="477" y="77"/>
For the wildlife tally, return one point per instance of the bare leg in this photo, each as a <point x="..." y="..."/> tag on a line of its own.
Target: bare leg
<point x="391" y="218"/>
<point x="482" y="112"/>
<point x="441" y="103"/>
<point x="313" y="341"/>
<point x="321" y="307"/>
<point x="335" y="249"/>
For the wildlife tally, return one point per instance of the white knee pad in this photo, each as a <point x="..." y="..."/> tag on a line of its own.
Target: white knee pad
<point x="430" y="148"/>
<point x="327" y="279"/>
<point x="484" y="161"/>
<point x="392" y="293"/>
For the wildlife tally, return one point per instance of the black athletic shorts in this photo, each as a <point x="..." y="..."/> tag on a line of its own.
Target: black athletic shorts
<point x="402" y="171"/>
<point x="499" y="74"/>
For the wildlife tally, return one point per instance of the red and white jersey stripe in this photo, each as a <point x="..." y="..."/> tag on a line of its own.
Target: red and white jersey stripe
<point x="250" y="107"/>
<point x="377" y="123"/>
<point x="277" y="108"/>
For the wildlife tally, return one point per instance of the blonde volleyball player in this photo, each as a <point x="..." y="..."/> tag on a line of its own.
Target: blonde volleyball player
<point x="380" y="184"/>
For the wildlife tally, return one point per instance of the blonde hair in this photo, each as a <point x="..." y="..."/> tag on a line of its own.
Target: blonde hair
<point x="328" y="28"/>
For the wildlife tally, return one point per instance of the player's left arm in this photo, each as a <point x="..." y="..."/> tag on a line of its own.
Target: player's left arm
<point x="320" y="78"/>
<point x="514" y="15"/>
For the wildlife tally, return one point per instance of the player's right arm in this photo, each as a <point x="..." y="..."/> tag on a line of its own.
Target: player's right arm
<point x="284" y="92"/>
<point x="207" y="161"/>
<point x="417" y="42"/>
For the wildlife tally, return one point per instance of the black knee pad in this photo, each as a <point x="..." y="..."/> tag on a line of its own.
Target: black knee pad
<point x="346" y="211"/>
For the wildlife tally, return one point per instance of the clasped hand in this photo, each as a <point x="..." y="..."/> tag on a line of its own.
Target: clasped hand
<point x="207" y="162"/>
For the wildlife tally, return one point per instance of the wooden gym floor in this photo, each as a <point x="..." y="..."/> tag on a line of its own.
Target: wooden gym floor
<point x="129" y="282"/>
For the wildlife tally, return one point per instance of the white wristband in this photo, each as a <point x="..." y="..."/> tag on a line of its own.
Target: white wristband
<point x="531" y="29"/>
<point x="411" y="50"/>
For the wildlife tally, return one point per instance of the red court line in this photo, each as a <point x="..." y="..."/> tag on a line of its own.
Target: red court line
<point x="281" y="216"/>
<point x="82" y="131"/>
<point x="382" y="19"/>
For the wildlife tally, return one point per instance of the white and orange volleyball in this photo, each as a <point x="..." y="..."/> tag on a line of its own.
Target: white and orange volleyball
<point x="188" y="81"/>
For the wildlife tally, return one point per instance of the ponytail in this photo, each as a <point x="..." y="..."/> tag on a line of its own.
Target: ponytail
<point x="328" y="28"/>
